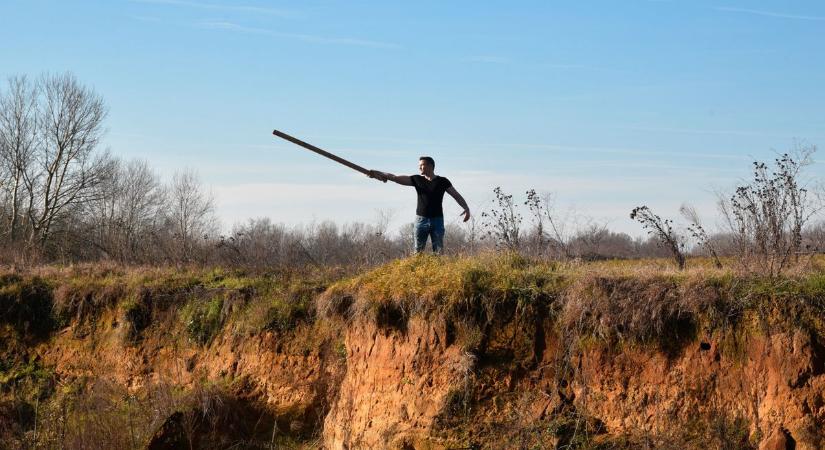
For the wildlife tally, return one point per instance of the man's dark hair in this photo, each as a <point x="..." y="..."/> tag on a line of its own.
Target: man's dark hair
<point x="428" y="160"/>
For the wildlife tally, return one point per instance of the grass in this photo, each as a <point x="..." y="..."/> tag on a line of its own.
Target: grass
<point x="203" y="318"/>
<point x="453" y="286"/>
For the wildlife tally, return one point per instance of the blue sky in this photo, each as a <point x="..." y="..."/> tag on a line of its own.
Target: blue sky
<point x="606" y="104"/>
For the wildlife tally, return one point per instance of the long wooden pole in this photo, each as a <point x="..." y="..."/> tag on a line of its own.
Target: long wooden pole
<point x="321" y="152"/>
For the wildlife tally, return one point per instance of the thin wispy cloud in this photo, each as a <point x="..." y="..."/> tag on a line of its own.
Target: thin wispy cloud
<point x="487" y="59"/>
<point x="587" y="67"/>
<point x="151" y="19"/>
<point x="603" y="150"/>
<point x="746" y="133"/>
<point x="566" y="66"/>
<point x="759" y="12"/>
<point x="393" y="139"/>
<point x="234" y="27"/>
<point x="220" y="7"/>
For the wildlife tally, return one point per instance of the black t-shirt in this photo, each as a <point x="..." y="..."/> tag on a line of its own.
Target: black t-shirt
<point x="430" y="195"/>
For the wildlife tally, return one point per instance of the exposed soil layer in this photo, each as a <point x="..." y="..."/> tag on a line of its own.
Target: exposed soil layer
<point x="572" y="369"/>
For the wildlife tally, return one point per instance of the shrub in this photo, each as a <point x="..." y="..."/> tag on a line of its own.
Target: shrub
<point x="502" y="222"/>
<point x="703" y="239"/>
<point x="767" y="215"/>
<point x="284" y="314"/>
<point x="203" y="319"/>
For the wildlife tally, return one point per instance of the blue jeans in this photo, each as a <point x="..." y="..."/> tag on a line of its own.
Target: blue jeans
<point x="432" y="227"/>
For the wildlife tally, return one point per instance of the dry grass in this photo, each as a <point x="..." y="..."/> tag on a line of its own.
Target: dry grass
<point x="425" y="285"/>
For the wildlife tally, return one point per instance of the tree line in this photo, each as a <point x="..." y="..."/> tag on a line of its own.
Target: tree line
<point x="65" y="199"/>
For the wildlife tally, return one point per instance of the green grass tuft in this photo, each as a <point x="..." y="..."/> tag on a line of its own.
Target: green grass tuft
<point x="203" y="318"/>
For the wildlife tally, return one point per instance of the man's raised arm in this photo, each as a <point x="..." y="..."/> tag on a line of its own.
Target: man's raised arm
<point x="460" y="200"/>
<point x="384" y="176"/>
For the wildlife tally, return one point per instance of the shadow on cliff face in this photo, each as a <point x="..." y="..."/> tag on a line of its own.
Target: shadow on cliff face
<point x="227" y="422"/>
<point x="26" y="305"/>
<point x="659" y="312"/>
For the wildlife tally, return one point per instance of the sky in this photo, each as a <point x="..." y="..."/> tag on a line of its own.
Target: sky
<point x="604" y="104"/>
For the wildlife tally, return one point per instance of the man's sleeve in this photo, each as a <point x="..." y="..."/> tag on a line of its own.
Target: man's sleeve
<point x="447" y="184"/>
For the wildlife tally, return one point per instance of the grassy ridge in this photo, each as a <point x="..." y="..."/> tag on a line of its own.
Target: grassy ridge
<point x="612" y="303"/>
<point x="631" y="301"/>
<point x="624" y="300"/>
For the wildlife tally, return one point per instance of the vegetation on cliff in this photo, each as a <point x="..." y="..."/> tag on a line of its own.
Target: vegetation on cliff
<point x="495" y="307"/>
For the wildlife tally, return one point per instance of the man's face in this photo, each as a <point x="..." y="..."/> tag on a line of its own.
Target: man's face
<point x="423" y="167"/>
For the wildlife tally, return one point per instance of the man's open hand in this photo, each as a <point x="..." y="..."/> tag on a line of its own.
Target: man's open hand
<point x="466" y="214"/>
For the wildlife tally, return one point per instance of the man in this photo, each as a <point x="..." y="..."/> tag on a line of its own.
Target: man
<point x="429" y="220"/>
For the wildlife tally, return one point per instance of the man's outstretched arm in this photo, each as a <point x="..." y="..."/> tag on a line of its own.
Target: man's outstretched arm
<point x="384" y="176"/>
<point x="460" y="200"/>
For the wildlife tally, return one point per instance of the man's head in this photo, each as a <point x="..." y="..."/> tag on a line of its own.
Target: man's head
<point x="426" y="165"/>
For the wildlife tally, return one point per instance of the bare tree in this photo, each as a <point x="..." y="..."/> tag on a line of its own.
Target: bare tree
<point x="66" y="165"/>
<point x="191" y="212"/>
<point x="18" y="140"/>
<point x="100" y="214"/>
<point x="141" y="206"/>
<point x="663" y="231"/>
<point x="127" y="210"/>
<point x="587" y="243"/>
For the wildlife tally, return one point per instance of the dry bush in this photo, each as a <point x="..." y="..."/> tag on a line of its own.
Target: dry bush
<point x="766" y="217"/>
<point x="551" y="234"/>
<point x="663" y="231"/>
<point x="502" y="222"/>
<point x="703" y="239"/>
